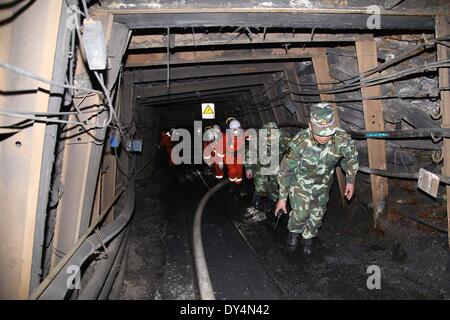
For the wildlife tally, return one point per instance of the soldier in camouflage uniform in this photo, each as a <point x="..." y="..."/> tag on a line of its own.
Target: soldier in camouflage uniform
<point x="306" y="174"/>
<point x="266" y="185"/>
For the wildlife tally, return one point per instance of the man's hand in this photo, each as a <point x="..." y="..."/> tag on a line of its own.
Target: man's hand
<point x="349" y="190"/>
<point x="249" y="174"/>
<point x="281" y="204"/>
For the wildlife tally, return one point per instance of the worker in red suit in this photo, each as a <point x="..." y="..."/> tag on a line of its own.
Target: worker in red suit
<point x="210" y="150"/>
<point x="233" y="146"/>
<point x="166" y="143"/>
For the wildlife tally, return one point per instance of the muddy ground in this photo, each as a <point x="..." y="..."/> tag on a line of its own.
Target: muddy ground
<point x="247" y="260"/>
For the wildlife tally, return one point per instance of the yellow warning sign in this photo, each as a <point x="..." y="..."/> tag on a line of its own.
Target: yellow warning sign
<point x="208" y="111"/>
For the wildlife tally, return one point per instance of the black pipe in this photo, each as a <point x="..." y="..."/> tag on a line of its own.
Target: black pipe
<point x="91" y="290"/>
<point x="388" y="134"/>
<point x="116" y="267"/>
<point x="402" y="134"/>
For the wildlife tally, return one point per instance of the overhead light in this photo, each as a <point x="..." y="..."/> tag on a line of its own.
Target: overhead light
<point x="94" y="44"/>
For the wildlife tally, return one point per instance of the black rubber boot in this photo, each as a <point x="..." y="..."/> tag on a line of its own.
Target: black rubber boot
<point x="256" y="201"/>
<point x="292" y="241"/>
<point x="307" y="246"/>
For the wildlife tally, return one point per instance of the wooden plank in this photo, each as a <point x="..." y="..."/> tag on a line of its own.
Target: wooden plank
<point x="194" y="86"/>
<point x="202" y="39"/>
<point x="443" y="29"/>
<point x="322" y="73"/>
<point x="22" y="181"/>
<point x="201" y="71"/>
<point x="294" y="19"/>
<point x="82" y="157"/>
<point x="155" y="59"/>
<point x="366" y="52"/>
<point x="294" y="85"/>
<point x="265" y="117"/>
<point x="271" y="91"/>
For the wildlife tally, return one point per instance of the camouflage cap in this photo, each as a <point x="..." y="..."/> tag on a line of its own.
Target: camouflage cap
<point x="270" y="125"/>
<point x="322" y="119"/>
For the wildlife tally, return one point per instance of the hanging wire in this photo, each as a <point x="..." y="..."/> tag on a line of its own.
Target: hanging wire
<point x="28" y="74"/>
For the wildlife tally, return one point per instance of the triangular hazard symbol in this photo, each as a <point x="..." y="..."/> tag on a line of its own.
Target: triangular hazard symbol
<point x="208" y="110"/>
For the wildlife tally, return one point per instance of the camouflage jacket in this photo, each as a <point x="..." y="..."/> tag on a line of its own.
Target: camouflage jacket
<point x="310" y="166"/>
<point x="256" y="164"/>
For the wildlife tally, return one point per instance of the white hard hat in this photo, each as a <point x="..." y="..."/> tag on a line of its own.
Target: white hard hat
<point x="234" y="124"/>
<point x="216" y="127"/>
<point x="209" y="135"/>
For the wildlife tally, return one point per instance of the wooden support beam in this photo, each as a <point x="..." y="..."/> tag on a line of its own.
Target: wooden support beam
<point x="196" y="57"/>
<point x="265" y="110"/>
<point x="26" y="156"/>
<point x="366" y="52"/>
<point x="322" y="73"/>
<point x="82" y="157"/>
<point x="294" y="85"/>
<point x="443" y="29"/>
<point x="194" y="86"/>
<point x="201" y="71"/>
<point x="193" y="96"/>
<point x="214" y="39"/>
<point x="270" y="88"/>
<point x="256" y="98"/>
<point x="125" y="113"/>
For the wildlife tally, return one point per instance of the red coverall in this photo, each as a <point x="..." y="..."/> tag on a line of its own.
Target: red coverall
<point x="167" y="144"/>
<point x="211" y="161"/>
<point x="233" y="147"/>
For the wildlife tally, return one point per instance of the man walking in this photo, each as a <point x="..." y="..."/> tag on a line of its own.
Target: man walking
<point x="306" y="174"/>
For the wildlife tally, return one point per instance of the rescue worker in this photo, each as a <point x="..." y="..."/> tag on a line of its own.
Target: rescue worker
<point x="209" y="154"/>
<point x="306" y="174"/>
<point x="233" y="146"/>
<point x="166" y="143"/>
<point x="266" y="184"/>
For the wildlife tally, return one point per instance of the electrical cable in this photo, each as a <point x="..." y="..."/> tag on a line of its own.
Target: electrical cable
<point x="25" y="73"/>
<point x="38" y="119"/>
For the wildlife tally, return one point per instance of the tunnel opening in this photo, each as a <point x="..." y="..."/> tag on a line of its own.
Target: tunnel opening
<point x="106" y="202"/>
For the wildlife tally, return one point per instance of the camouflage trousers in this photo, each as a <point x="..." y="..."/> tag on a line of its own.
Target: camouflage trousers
<point x="308" y="210"/>
<point x="266" y="185"/>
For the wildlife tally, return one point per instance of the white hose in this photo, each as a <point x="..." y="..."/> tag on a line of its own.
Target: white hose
<point x="204" y="281"/>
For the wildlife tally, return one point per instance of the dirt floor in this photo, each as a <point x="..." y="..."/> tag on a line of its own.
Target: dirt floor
<point x="247" y="260"/>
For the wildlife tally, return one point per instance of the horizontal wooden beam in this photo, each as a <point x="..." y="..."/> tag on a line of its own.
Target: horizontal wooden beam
<point x="204" y="94"/>
<point x="200" y="71"/>
<point x="223" y="83"/>
<point x="328" y="21"/>
<point x="195" y="57"/>
<point x="215" y="39"/>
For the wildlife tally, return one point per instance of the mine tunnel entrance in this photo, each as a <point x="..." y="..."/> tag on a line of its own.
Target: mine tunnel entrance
<point x="108" y="204"/>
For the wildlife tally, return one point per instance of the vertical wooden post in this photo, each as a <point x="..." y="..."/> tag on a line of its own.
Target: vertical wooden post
<point x="25" y="154"/>
<point x="82" y="157"/>
<point x="366" y="52"/>
<point x="322" y="73"/>
<point x="271" y="93"/>
<point x="443" y="29"/>
<point x="258" y="100"/>
<point x="294" y="86"/>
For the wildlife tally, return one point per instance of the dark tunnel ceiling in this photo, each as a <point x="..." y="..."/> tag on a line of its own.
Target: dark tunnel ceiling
<point x="236" y="60"/>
